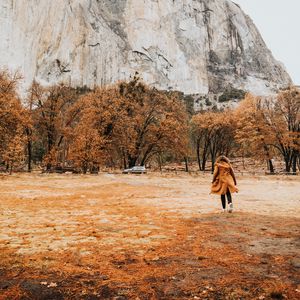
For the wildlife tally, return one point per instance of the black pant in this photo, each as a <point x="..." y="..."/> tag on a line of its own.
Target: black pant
<point x="228" y="199"/>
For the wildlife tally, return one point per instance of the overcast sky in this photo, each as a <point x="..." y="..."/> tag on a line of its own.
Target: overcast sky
<point x="279" y="24"/>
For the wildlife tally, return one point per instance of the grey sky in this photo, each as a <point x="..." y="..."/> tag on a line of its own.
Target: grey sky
<point x="279" y="24"/>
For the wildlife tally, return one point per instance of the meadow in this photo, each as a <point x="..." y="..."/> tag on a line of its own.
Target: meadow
<point x="154" y="236"/>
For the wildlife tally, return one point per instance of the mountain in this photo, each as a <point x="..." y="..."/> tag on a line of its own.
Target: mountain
<point x="194" y="46"/>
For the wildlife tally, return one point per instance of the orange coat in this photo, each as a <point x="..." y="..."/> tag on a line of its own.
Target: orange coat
<point x="223" y="179"/>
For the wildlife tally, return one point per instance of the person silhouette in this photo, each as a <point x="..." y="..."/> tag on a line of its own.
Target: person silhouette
<point x="224" y="182"/>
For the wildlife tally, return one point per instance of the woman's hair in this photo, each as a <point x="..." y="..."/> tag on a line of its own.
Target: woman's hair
<point x="222" y="158"/>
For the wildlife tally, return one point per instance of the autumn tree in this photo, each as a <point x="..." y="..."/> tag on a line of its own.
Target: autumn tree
<point x="268" y="126"/>
<point x="213" y="134"/>
<point x="52" y="112"/>
<point x="222" y="138"/>
<point x="201" y="133"/>
<point x="14" y="153"/>
<point x="252" y="133"/>
<point x="86" y="149"/>
<point x="289" y="106"/>
<point x="12" y="121"/>
<point x="90" y="140"/>
<point x="282" y="118"/>
<point x="154" y="122"/>
<point x="133" y="122"/>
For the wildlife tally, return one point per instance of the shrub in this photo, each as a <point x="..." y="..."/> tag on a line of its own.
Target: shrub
<point x="232" y="93"/>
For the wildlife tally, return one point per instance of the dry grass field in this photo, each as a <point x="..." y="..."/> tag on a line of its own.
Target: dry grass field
<point x="114" y="236"/>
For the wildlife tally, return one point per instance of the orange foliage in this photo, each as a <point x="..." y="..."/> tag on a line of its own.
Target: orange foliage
<point x="271" y="126"/>
<point x="12" y="121"/>
<point x="214" y="135"/>
<point x="130" y="123"/>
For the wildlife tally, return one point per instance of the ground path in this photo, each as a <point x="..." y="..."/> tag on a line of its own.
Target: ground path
<point x="147" y="237"/>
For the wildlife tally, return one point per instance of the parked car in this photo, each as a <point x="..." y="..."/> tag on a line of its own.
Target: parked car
<point x="135" y="170"/>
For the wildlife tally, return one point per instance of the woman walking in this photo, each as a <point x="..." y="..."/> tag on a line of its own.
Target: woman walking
<point x="224" y="182"/>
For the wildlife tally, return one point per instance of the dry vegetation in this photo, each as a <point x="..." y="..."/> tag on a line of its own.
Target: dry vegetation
<point x="130" y="124"/>
<point x="147" y="237"/>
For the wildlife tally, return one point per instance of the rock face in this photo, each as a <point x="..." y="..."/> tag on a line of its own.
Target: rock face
<point x="195" y="46"/>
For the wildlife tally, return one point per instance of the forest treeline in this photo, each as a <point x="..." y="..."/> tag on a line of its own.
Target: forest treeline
<point x="130" y="124"/>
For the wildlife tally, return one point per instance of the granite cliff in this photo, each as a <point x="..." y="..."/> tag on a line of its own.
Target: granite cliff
<point x="195" y="46"/>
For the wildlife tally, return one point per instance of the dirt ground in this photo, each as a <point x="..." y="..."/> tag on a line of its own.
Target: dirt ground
<point x="114" y="236"/>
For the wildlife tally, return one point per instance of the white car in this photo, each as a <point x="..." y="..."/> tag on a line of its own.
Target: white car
<point x="135" y="170"/>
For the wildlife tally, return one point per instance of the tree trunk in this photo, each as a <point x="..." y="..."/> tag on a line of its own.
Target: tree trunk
<point x="147" y="154"/>
<point x="198" y="155"/>
<point x="50" y="146"/>
<point x="186" y="164"/>
<point x="29" y="150"/>
<point x="160" y="163"/>
<point x="294" y="163"/>
<point x="213" y="152"/>
<point x="143" y="161"/>
<point x="131" y="161"/>
<point x="84" y="167"/>
<point x="204" y="158"/>
<point x="48" y="167"/>
<point x="213" y="159"/>
<point x="269" y="160"/>
<point x="271" y="167"/>
<point x="212" y="164"/>
<point x="288" y="162"/>
<point x="124" y="159"/>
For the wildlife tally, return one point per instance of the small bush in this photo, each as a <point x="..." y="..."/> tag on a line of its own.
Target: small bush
<point x="207" y="102"/>
<point x="232" y="93"/>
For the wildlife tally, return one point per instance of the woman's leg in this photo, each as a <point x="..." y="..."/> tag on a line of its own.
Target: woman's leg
<point x="223" y="201"/>
<point x="229" y="199"/>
